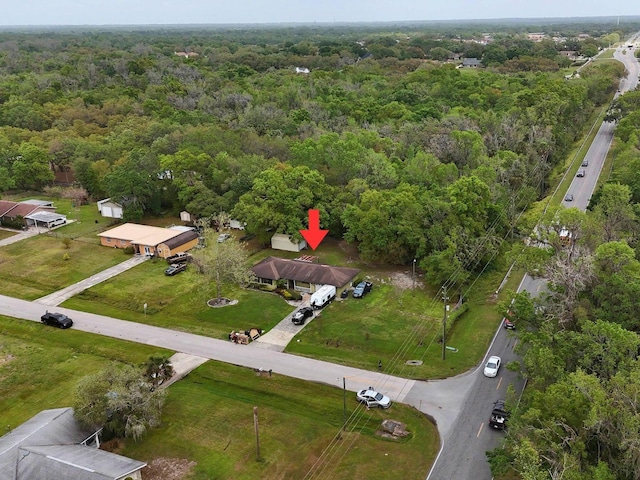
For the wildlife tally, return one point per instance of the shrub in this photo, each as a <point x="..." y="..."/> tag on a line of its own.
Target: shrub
<point x="294" y="295"/>
<point x="285" y="294"/>
<point x="66" y="241"/>
<point x="129" y="250"/>
<point x="66" y="257"/>
<point x="265" y="287"/>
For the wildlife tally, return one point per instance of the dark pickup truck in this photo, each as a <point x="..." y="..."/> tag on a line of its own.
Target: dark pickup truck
<point x="499" y="416"/>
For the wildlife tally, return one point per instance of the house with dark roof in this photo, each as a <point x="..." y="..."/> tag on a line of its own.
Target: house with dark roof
<point x="149" y="240"/>
<point x="52" y="445"/>
<point x="471" y="63"/>
<point x="302" y="274"/>
<point x="14" y="211"/>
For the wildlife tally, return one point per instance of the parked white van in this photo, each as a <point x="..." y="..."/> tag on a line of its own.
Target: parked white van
<point x="323" y="296"/>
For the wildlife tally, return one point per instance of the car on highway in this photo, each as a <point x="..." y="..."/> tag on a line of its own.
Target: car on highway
<point x="175" y="269"/>
<point x="492" y="366"/>
<point x="371" y="398"/>
<point x="568" y="197"/>
<point x="585" y="163"/>
<point x="581" y="173"/>
<point x="362" y="289"/>
<point x="181" y="257"/>
<point x="223" y="237"/>
<point x="59" y="320"/>
<point x="509" y="325"/>
<point x="301" y="315"/>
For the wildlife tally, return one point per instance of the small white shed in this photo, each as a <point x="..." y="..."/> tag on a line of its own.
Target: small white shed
<point x="280" y="241"/>
<point x="109" y="209"/>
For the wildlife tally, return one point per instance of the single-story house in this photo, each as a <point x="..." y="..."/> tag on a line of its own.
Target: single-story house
<point x="280" y="241"/>
<point x="10" y="211"/>
<point x="471" y="62"/>
<point x="38" y="203"/>
<point x="109" y="209"/>
<point x="45" y="219"/>
<point x="52" y="445"/>
<point x="148" y="240"/>
<point x="302" y="274"/>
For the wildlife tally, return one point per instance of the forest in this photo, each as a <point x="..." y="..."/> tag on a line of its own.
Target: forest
<point x="405" y="155"/>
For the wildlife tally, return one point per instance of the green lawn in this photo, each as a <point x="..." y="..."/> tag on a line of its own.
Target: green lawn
<point x="40" y="366"/>
<point x="36" y="266"/>
<point x="179" y="302"/>
<point x="6" y="234"/>
<point x="208" y="417"/>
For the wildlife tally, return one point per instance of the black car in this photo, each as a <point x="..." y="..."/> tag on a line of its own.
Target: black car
<point x="181" y="257"/>
<point x="175" y="269"/>
<point x="362" y="289"/>
<point x="301" y="315"/>
<point x="59" y="320"/>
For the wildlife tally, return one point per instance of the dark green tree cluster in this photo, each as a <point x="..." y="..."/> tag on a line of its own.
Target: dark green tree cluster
<point x="408" y="157"/>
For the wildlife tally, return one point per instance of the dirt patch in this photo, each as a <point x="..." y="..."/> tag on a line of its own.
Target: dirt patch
<point x="404" y="280"/>
<point x="168" y="469"/>
<point x="6" y="359"/>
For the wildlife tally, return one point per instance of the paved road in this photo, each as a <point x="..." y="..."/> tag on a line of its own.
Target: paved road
<point x="463" y="453"/>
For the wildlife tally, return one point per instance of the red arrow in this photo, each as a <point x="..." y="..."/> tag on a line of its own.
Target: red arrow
<point x="314" y="235"/>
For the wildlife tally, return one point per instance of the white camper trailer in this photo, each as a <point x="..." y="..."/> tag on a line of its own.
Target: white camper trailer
<point x="323" y="296"/>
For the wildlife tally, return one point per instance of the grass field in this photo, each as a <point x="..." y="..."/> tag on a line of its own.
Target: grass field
<point x="208" y="417"/>
<point x="6" y="234"/>
<point x="40" y="366"/>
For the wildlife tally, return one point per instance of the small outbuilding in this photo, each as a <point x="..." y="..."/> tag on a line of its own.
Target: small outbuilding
<point x="109" y="209"/>
<point x="280" y="241"/>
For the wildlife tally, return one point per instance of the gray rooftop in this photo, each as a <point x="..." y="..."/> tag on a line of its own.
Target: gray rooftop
<point x="42" y="216"/>
<point x="74" y="462"/>
<point x="39" y="203"/>
<point x="56" y="426"/>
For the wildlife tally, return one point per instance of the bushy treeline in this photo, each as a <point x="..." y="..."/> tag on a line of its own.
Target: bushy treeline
<point x="409" y="157"/>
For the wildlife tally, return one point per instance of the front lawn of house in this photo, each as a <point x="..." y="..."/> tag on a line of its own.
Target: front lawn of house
<point x="43" y="264"/>
<point x="179" y="302"/>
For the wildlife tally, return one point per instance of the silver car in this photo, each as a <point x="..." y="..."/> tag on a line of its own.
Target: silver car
<point x="371" y="398"/>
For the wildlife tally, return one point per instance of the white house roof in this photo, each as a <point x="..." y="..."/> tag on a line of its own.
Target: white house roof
<point x="78" y="462"/>
<point x="43" y="216"/>
<point x="46" y="428"/>
<point x="141" y="234"/>
<point x="39" y="203"/>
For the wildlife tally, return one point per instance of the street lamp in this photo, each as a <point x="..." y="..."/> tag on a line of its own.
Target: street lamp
<point x="414" y="274"/>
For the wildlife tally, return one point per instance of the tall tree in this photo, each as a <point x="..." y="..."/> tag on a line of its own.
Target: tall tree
<point x="120" y="399"/>
<point x="222" y="262"/>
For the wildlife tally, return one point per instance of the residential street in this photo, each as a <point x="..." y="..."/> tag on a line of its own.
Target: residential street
<point x="441" y="399"/>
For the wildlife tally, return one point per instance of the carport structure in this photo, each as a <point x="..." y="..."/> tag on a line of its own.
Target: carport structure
<point x="45" y="219"/>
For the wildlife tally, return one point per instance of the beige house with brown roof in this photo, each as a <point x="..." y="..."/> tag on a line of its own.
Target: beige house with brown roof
<point x="148" y="240"/>
<point x="302" y="274"/>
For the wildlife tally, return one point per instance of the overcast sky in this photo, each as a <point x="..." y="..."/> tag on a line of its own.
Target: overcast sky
<point x="120" y="12"/>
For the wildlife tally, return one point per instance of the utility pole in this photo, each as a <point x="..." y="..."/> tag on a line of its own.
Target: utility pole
<point x="344" y="403"/>
<point x="255" y="425"/>
<point x="444" y="322"/>
<point x="414" y="274"/>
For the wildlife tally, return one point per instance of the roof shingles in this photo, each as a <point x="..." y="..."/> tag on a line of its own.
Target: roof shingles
<point x="274" y="268"/>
